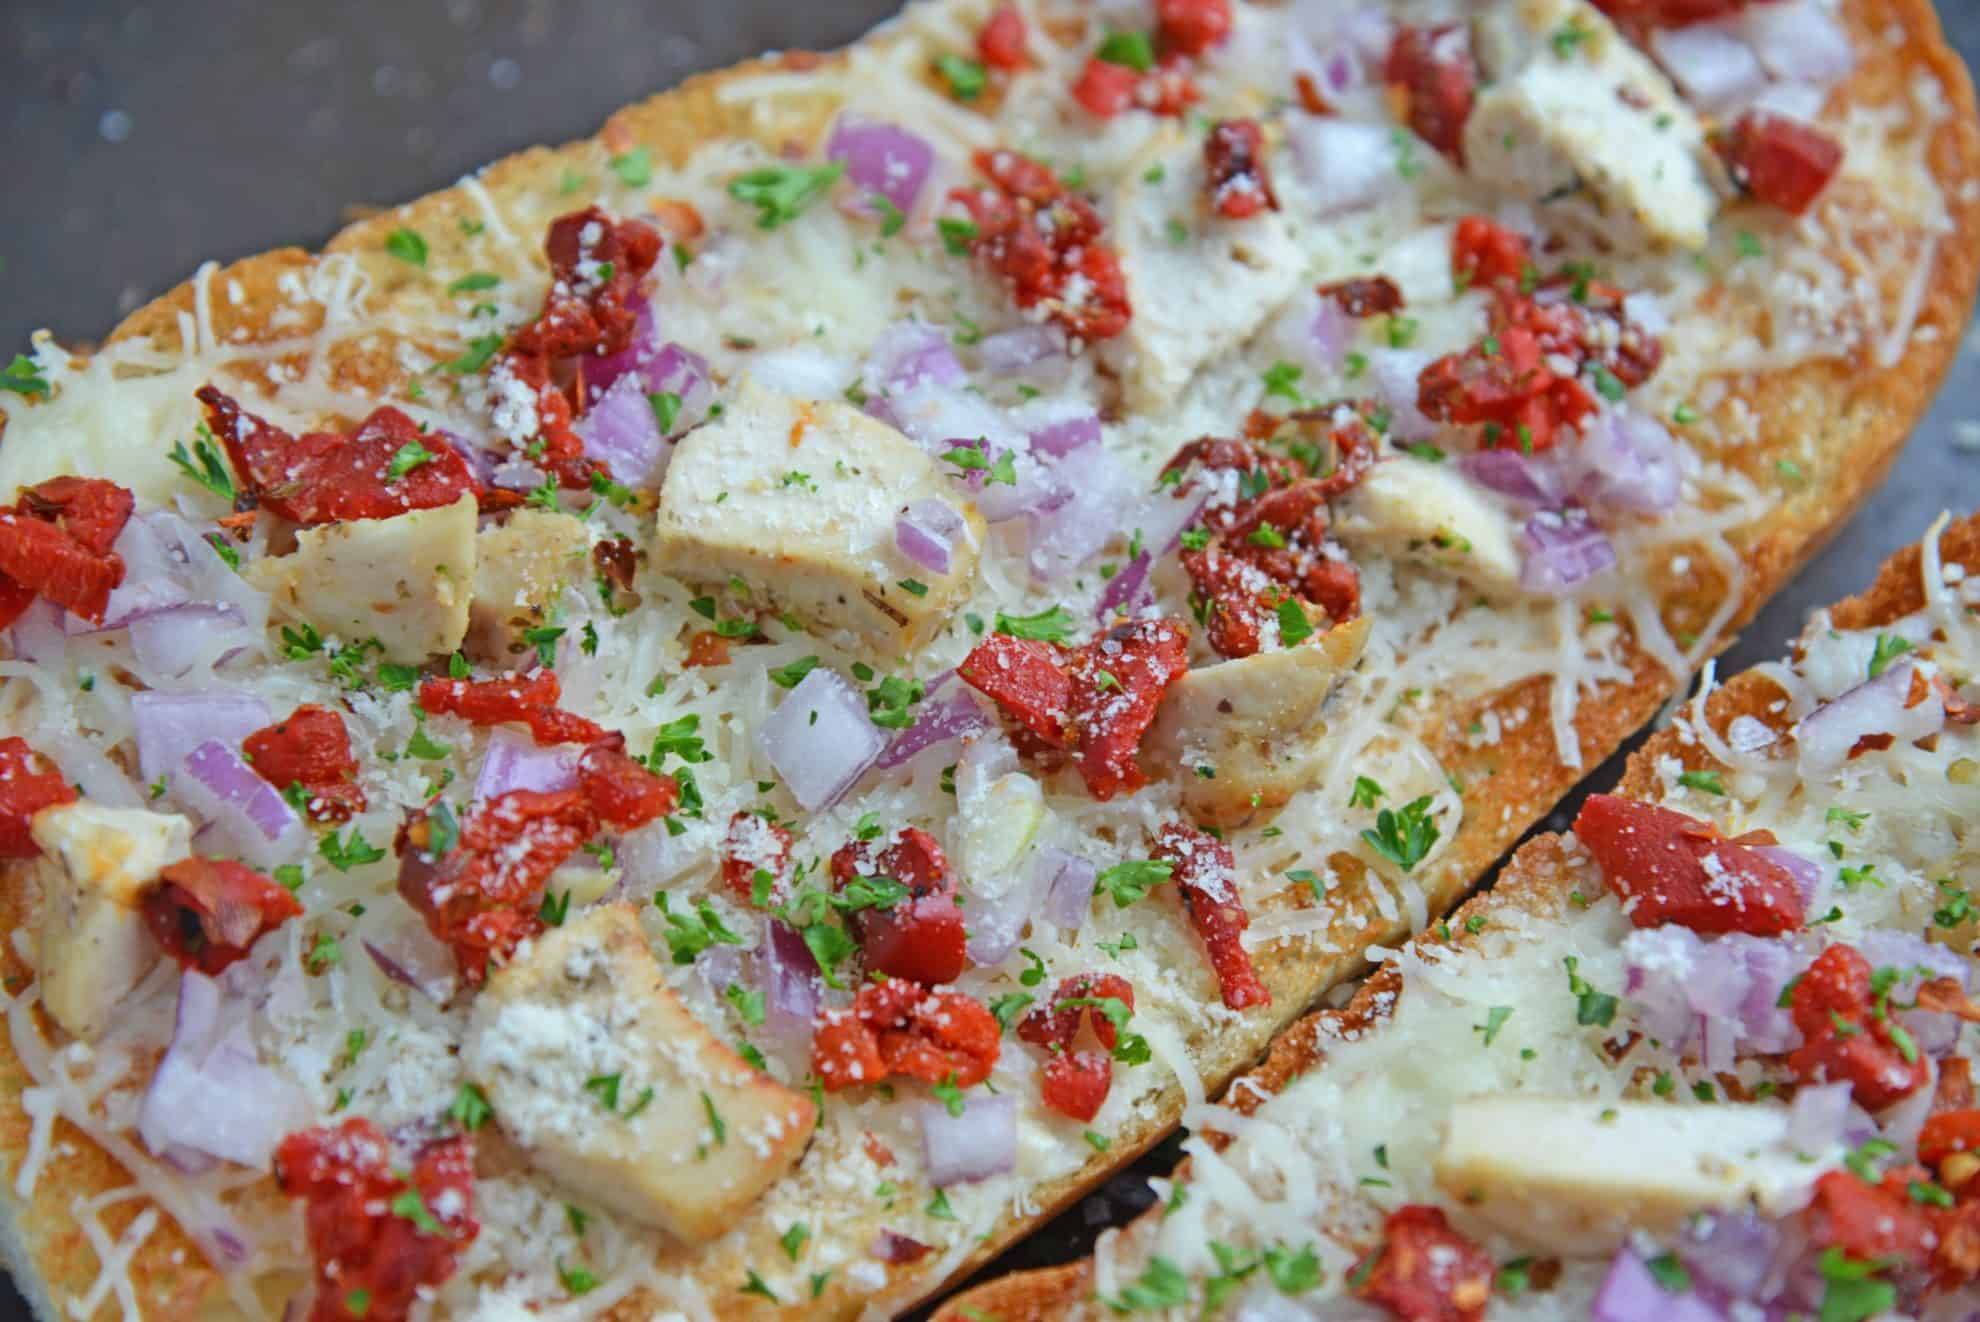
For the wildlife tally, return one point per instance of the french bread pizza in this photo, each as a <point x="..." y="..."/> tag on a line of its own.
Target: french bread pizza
<point x="715" y="721"/>
<point x="1706" y="1057"/>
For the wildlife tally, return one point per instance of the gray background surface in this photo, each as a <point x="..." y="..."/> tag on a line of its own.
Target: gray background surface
<point x="142" y="139"/>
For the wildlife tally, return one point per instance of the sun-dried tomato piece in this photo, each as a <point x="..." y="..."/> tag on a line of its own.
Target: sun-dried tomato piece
<point x="379" y="1239"/>
<point x="1432" y="72"/>
<point x="1369" y="296"/>
<point x="1207" y="877"/>
<point x="1424" y="1271"/>
<point x="1191" y="27"/>
<point x="896" y="1027"/>
<point x="624" y="794"/>
<point x="207" y="912"/>
<point x="756" y="844"/>
<point x="1779" y="159"/>
<point x="1947" y="1133"/>
<point x="1486" y="253"/>
<point x="1669" y="13"/>
<point x="311" y="749"/>
<point x="1056" y="1023"/>
<point x="529" y="700"/>
<point x="484" y="898"/>
<point x="90" y="510"/>
<point x="28" y="783"/>
<point x="1001" y="41"/>
<point x="1104" y="88"/>
<point x="1848" y="1036"/>
<point x="1870" y="1222"/>
<point x="1028" y="679"/>
<point x="1076" y="1083"/>
<point x="1044" y="241"/>
<point x="921" y="938"/>
<point x="1239" y="182"/>
<point x="1668" y="867"/>
<point x="48" y="563"/>
<point x="326" y="476"/>
<point x="1118" y="681"/>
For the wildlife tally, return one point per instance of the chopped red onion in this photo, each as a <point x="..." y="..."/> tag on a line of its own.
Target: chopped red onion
<point x="683" y="374"/>
<point x="152" y="575"/>
<point x="171" y="725"/>
<point x="1090" y="494"/>
<point x="602" y="371"/>
<point x="1802" y="101"/>
<point x="927" y="531"/>
<point x="1396" y="373"/>
<point x="514" y="762"/>
<point x="408" y="953"/>
<point x="1014" y="350"/>
<point x="1629" y="1293"/>
<point x="1722" y="995"/>
<point x="38" y="635"/>
<point x="1710" y="64"/>
<point x="1127" y="591"/>
<point x="909" y="353"/>
<point x="979" y="1143"/>
<point x="1627" y="461"/>
<point x="224" y="790"/>
<point x="1562" y="550"/>
<point x="719" y="966"/>
<point x="1531" y="479"/>
<point x="1876" y="707"/>
<point x="1806" y="872"/>
<point x="210" y="1095"/>
<point x="1068" y="882"/>
<point x="1817" y="1117"/>
<point x="1058" y="438"/>
<point x="1347" y="164"/>
<point x="939" y="417"/>
<point x="1936" y="1033"/>
<point x="802" y="372"/>
<point x="621" y="430"/>
<point x="881" y="158"/>
<point x="1800" y="40"/>
<point x="181" y="640"/>
<point x="938" y="721"/>
<point x="1369" y="30"/>
<point x="516" y="473"/>
<point x="787" y="971"/>
<point x="820" y="739"/>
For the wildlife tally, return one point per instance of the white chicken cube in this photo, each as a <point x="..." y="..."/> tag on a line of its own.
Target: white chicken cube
<point x="1575" y="1176"/>
<point x="1572" y="114"/>
<point x="616" y="1091"/>
<point x="95" y="867"/>
<point x="1245" y="735"/>
<point x="801" y="500"/>
<point x="1201" y="284"/>
<point x="1425" y="513"/>
<point x="405" y="580"/>
<point x="520" y="568"/>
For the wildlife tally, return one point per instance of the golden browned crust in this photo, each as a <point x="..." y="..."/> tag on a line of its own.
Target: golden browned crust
<point x="1536" y="882"/>
<point x="1843" y="424"/>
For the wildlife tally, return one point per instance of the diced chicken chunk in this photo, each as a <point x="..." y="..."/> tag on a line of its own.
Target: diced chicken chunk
<point x="619" y="1093"/>
<point x="1573" y="114"/>
<point x="520" y="568"/>
<point x="1574" y="1176"/>
<point x="800" y="499"/>
<point x="1201" y="284"/>
<point x="96" y="863"/>
<point x="1254" y="725"/>
<point x="1426" y="513"/>
<point x="404" y="580"/>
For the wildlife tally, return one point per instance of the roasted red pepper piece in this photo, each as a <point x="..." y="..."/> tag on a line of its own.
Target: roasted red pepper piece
<point x="1046" y="242"/>
<point x="378" y="1238"/>
<point x="1871" y="1222"/>
<point x="326" y="477"/>
<point x="1424" y="1271"/>
<point x="311" y="749"/>
<point x="922" y="937"/>
<point x="1433" y="75"/>
<point x="1001" y="41"/>
<point x="28" y="783"/>
<point x="898" y="1027"/>
<point x="1671" y="868"/>
<point x="1847" y="1035"/>
<point x="1104" y="88"/>
<point x="206" y="913"/>
<point x="1192" y="27"/>
<point x="1239" y="182"/>
<point x="624" y="794"/>
<point x="1118" y="681"/>
<point x="1076" y="1083"/>
<point x="529" y="700"/>
<point x="756" y="844"/>
<point x="597" y="266"/>
<point x="1947" y="1133"/>
<point x="1778" y="159"/>
<point x="1486" y="253"/>
<point x="1028" y="679"/>
<point x="1207" y="876"/>
<point x="484" y="898"/>
<point x="1056" y="1023"/>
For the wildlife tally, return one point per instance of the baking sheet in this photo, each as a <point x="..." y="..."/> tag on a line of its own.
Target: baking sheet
<point x="144" y="138"/>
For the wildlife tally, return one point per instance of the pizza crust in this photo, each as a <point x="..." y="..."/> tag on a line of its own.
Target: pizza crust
<point x="1844" y="426"/>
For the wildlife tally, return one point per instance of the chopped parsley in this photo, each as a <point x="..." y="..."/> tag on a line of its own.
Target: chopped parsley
<point x="966" y="77"/>
<point x="21" y="377"/>
<point x="408" y="245"/>
<point x="688" y="934"/>
<point x="203" y="465"/>
<point x="1132" y="880"/>
<point x="634" y="168"/>
<point x="1403" y="836"/>
<point x="1131" y="49"/>
<point x="1888" y="648"/>
<point x="1053" y="625"/>
<point x="345" y="854"/>
<point x="1705" y="782"/>
<point x="781" y="193"/>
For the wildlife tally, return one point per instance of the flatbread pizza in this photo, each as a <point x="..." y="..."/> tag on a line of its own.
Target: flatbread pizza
<point x="717" y="720"/>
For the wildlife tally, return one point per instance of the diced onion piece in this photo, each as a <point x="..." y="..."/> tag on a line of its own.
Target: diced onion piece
<point x="979" y="1143"/>
<point x="956" y="716"/>
<point x="881" y="158"/>
<point x="1562" y="550"/>
<point x="1876" y="707"/>
<point x="1068" y="887"/>
<point x="1016" y="349"/>
<point x="224" y="790"/>
<point x="820" y="739"/>
<point x="787" y="972"/>
<point x="514" y="762"/>
<point x="622" y="431"/>
<point x="171" y="725"/>
<point x="1629" y="1293"/>
<point x="1799" y="40"/>
<point x="1714" y="68"/>
<point x="927" y="531"/>
<point x="210" y="1094"/>
<point x="181" y="640"/>
<point x="909" y="353"/>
